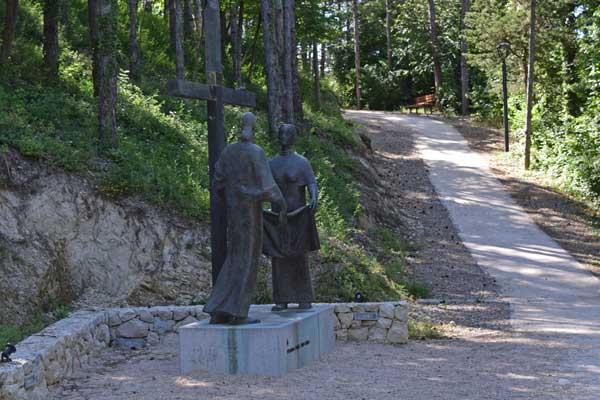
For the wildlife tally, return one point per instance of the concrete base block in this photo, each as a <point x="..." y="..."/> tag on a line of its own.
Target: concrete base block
<point x="281" y="342"/>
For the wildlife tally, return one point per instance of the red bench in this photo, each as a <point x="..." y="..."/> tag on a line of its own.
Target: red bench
<point x="426" y="101"/>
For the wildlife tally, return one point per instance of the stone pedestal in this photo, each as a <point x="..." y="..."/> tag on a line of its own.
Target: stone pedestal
<point x="281" y="342"/>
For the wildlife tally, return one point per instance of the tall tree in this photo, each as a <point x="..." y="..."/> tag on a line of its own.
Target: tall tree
<point x="177" y="16"/>
<point x="237" y="34"/>
<point x="134" y="50"/>
<point x="198" y="39"/>
<point x="530" y="79"/>
<point x="316" y="74"/>
<point x="51" y="18"/>
<point x="106" y="17"/>
<point x="188" y="19"/>
<point x="10" y="26"/>
<point x="435" y="49"/>
<point x="92" y="14"/>
<point x="464" y="68"/>
<point x="289" y="53"/>
<point x="388" y="33"/>
<point x="272" y="65"/>
<point x="356" y="21"/>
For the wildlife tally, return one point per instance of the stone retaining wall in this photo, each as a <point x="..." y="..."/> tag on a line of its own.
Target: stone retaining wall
<point x="45" y="358"/>
<point x="374" y="322"/>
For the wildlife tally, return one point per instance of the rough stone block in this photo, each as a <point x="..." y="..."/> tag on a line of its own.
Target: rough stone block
<point x="341" y="334"/>
<point x="398" y="333"/>
<point x="401" y="313"/>
<point x="133" y="329"/>
<point x="146" y="316"/>
<point x="361" y="333"/>
<point x="180" y="314"/>
<point x="162" y="326"/>
<point x="341" y="308"/>
<point x="345" y="319"/>
<point x="386" y="310"/>
<point x="127" y="314"/>
<point x="384" y="323"/>
<point x="278" y="344"/>
<point x="377" y="334"/>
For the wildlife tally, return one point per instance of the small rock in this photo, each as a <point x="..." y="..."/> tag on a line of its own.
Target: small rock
<point x="162" y="326"/>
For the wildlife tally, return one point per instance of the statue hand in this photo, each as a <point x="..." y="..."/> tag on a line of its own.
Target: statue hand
<point x="313" y="204"/>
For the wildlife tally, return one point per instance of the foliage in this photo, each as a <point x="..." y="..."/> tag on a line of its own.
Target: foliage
<point x="422" y="329"/>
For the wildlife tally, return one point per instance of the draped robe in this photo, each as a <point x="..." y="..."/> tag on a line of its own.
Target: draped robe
<point x="243" y="173"/>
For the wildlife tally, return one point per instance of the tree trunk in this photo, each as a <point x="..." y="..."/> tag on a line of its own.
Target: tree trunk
<point x="388" y="33"/>
<point x="198" y="21"/>
<point x="10" y="26"/>
<point x="570" y="74"/>
<point x="435" y="50"/>
<point x="289" y="52"/>
<point x="237" y="33"/>
<point x="188" y="16"/>
<point x="323" y="58"/>
<point x="93" y="32"/>
<point x="253" y="51"/>
<point x="530" y="79"/>
<point x="178" y="26"/>
<point x="272" y="66"/>
<point x="106" y="19"/>
<point x="464" y="68"/>
<point x="65" y="20"/>
<point x="134" y="51"/>
<point x="51" y="16"/>
<point x="317" y="77"/>
<point x="355" y="18"/>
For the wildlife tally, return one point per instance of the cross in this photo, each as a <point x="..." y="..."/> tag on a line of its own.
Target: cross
<point x="216" y="96"/>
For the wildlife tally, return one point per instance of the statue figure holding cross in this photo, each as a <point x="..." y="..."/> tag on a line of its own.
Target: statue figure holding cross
<point x="244" y="182"/>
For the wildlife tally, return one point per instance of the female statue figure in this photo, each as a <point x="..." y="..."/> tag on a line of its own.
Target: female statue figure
<point x="293" y="174"/>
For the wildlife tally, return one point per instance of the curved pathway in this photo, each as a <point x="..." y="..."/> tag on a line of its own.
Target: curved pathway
<point x="551" y="295"/>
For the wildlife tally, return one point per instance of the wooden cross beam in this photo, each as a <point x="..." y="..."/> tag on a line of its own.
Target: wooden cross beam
<point x="216" y="96"/>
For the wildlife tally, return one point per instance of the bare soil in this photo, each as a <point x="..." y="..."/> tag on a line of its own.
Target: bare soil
<point x="572" y="223"/>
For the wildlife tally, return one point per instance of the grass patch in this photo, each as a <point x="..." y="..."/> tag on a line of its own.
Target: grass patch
<point x="423" y="329"/>
<point x="418" y="290"/>
<point x="13" y="333"/>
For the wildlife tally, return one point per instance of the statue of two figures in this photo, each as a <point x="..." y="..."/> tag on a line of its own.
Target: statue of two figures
<point x="245" y="179"/>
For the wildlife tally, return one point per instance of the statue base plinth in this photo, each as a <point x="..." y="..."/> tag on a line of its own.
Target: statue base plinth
<point x="281" y="342"/>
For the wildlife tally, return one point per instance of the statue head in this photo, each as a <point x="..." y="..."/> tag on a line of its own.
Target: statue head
<point x="248" y="125"/>
<point x="287" y="135"/>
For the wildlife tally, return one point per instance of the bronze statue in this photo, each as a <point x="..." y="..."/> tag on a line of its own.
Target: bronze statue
<point x="244" y="181"/>
<point x="289" y="245"/>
